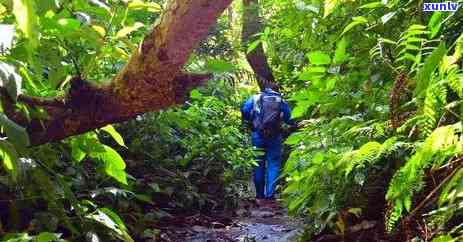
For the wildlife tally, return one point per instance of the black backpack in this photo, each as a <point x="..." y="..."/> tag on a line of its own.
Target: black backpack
<point x="267" y="114"/>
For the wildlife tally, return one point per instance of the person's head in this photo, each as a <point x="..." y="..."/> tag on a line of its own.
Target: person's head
<point x="271" y="85"/>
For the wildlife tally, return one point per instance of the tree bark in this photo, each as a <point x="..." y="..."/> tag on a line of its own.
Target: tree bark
<point x="252" y="25"/>
<point x="150" y="81"/>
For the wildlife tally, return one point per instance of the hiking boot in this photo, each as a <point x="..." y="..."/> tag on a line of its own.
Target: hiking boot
<point x="268" y="204"/>
<point x="260" y="202"/>
<point x="273" y="204"/>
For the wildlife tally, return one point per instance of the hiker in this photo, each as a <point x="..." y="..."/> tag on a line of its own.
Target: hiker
<point x="265" y="112"/>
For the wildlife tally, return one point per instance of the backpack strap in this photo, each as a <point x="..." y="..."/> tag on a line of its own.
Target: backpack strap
<point x="256" y="101"/>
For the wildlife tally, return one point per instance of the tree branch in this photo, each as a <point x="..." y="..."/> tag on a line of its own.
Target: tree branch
<point x="150" y="81"/>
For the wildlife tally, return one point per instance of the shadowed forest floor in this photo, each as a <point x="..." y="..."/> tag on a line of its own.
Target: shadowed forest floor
<point x="250" y="223"/>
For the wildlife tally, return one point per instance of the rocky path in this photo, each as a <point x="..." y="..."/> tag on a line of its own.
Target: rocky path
<point x="255" y="223"/>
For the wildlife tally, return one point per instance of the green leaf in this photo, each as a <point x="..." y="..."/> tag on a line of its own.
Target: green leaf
<point x="385" y="18"/>
<point x="444" y="238"/>
<point x="372" y="5"/>
<point x="356" y="21"/>
<point x="304" y="76"/>
<point x="318" y="158"/>
<point x="219" y="66"/>
<point x="17" y="237"/>
<point x="435" y="24"/>
<point x="317" y="70"/>
<point x="119" y="53"/>
<point x="253" y="45"/>
<point x="330" y="84"/>
<point x="9" y="157"/>
<point x="195" y="94"/>
<point x="430" y="65"/>
<point x="24" y="12"/>
<point x="340" y="55"/>
<point x="114" y="165"/>
<point x="69" y="25"/>
<point x="112" y="221"/>
<point x="458" y="48"/>
<point x="388" y="41"/>
<point x="100" y="30"/>
<point x="16" y="134"/>
<point x="301" y="108"/>
<point x="319" y="58"/>
<point x="46" y="237"/>
<point x="129" y="29"/>
<point x="314" y="73"/>
<point x="114" y="217"/>
<point x="77" y="154"/>
<point x="114" y="134"/>
<point x="295" y="138"/>
<point x="142" y="5"/>
<point x="330" y="6"/>
<point x="407" y="203"/>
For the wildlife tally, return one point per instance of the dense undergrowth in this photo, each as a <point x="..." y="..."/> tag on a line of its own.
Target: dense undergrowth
<point x="377" y="87"/>
<point x="180" y="162"/>
<point x="110" y="184"/>
<point x="379" y="91"/>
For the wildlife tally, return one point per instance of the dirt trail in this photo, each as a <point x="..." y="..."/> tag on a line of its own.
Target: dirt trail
<point x="259" y="224"/>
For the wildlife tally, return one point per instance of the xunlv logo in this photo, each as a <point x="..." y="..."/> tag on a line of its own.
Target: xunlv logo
<point x="446" y="6"/>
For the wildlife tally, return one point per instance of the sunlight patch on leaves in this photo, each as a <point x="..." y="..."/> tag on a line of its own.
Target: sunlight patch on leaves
<point x="112" y="221"/>
<point x="24" y="12"/>
<point x="9" y="157"/>
<point x="144" y="5"/>
<point x="114" y="134"/>
<point x="114" y="164"/>
<point x="330" y="6"/>
<point x="319" y="58"/>
<point x="129" y="29"/>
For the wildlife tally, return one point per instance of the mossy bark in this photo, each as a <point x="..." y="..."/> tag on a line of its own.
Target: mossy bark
<point x="151" y="80"/>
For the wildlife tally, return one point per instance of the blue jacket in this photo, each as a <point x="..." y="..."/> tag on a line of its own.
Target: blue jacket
<point x="246" y="111"/>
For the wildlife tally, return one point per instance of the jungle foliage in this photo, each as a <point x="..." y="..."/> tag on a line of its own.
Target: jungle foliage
<point x="117" y="182"/>
<point x="377" y="87"/>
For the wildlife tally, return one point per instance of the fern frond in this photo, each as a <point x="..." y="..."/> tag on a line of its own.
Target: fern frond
<point x="442" y="143"/>
<point x="370" y="153"/>
<point x="455" y="82"/>
<point x="373" y="129"/>
<point x="367" y="154"/>
<point x="409" y="124"/>
<point x="409" y="46"/>
<point x="434" y="103"/>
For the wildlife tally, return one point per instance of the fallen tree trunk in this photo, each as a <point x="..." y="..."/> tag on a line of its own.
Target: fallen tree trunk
<point x="150" y="81"/>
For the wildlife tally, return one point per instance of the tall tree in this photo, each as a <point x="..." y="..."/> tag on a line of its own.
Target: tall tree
<point x="252" y="25"/>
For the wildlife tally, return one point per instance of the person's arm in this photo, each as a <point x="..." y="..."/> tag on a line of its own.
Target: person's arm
<point x="246" y="110"/>
<point x="293" y="126"/>
<point x="287" y="114"/>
